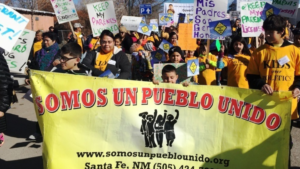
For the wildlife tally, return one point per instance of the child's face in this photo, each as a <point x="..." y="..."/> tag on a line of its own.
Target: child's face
<point x="191" y="53"/>
<point x="171" y="7"/>
<point x="170" y="77"/>
<point x="173" y="39"/>
<point x="68" y="62"/>
<point x="297" y="40"/>
<point x="175" y="57"/>
<point x="118" y="42"/>
<point x="238" y="47"/>
<point x="273" y="37"/>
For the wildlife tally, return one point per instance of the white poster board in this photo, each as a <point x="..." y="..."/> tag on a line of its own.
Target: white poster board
<point x="102" y="17"/>
<point x="12" y="25"/>
<point x="65" y="10"/>
<point x="131" y="23"/>
<point x="205" y="13"/>
<point x="18" y="56"/>
<point x="251" y="22"/>
<point x="184" y="8"/>
<point x="238" y="5"/>
<point x="289" y="9"/>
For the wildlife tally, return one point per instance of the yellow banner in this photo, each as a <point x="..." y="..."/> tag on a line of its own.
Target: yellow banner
<point x="98" y="123"/>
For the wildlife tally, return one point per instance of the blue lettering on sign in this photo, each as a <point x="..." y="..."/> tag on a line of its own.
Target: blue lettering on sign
<point x="11" y="14"/>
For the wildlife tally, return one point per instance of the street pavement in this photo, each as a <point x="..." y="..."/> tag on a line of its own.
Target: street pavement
<point x="18" y="153"/>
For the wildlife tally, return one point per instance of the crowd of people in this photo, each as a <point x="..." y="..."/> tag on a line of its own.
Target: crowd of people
<point x="270" y="62"/>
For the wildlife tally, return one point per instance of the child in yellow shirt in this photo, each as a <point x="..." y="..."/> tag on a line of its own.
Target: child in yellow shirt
<point x="208" y="66"/>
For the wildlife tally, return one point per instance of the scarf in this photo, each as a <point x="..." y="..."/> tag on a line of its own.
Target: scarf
<point x="46" y="56"/>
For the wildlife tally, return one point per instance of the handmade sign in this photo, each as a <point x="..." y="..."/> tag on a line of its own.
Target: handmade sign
<point x="207" y="12"/>
<point x="192" y="67"/>
<point x="145" y="29"/>
<point x="165" y="45"/>
<point x="102" y="16"/>
<point x="126" y="124"/>
<point x="131" y="23"/>
<point x="18" y="56"/>
<point x="220" y="29"/>
<point x="238" y="2"/>
<point x="12" y="25"/>
<point x="184" y="36"/>
<point x="250" y="18"/>
<point x="65" y="10"/>
<point x="179" y="8"/>
<point x="287" y="8"/>
<point x="180" y="69"/>
<point x="165" y="19"/>
<point x="158" y="56"/>
<point x="269" y="10"/>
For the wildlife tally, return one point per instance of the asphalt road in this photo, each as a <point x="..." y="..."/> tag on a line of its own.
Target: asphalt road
<point x="18" y="153"/>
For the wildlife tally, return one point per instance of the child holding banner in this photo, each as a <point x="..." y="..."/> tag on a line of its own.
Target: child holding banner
<point x="237" y="62"/>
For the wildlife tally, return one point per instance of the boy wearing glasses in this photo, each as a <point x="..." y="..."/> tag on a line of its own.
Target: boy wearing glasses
<point x="70" y="60"/>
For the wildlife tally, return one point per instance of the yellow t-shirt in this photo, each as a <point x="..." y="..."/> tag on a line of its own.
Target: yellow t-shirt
<point x="37" y="46"/>
<point x="79" y="41"/>
<point x="252" y="49"/>
<point x="192" y="58"/>
<point x="95" y="42"/>
<point x="102" y="60"/>
<point x="264" y="62"/>
<point x="207" y="76"/>
<point x="237" y="68"/>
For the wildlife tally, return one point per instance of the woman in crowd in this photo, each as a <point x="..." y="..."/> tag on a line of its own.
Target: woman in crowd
<point x="37" y="44"/>
<point x="108" y="57"/>
<point x="236" y="28"/>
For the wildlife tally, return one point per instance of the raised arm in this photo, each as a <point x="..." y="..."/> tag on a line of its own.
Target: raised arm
<point x="177" y="114"/>
<point x="165" y="115"/>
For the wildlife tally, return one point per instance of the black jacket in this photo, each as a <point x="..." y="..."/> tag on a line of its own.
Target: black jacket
<point x="127" y="43"/>
<point x="122" y="66"/>
<point x="6" y="84"/>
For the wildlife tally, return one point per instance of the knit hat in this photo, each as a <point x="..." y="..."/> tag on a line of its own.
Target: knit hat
<point x="175" y="49"/>
<point x="123" y="29"/>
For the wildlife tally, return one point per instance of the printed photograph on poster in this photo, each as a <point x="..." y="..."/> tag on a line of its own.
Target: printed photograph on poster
<point x="65" y="11"/>
<point x="102" y="16"/>
<point x="269" y="10"/>
<point x="177" y="70"/>
<point x="131" y="23"/>
<point x="220" y="29"/>
<point x="193" y="67"/>
<point x="165" y="45"/>
<point x="145" y="29"/>
<point x="158" y="56"/>
<point x="179" y="8"/>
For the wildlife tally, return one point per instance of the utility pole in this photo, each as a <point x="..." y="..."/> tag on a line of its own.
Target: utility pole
<point x="32" y="7"/>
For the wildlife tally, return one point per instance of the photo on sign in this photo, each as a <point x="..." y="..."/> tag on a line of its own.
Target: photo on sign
<point x="145" y="29"/>
<point x="220" y="29"/>
<point x="158" y="56"/>
<point x="193" y="67"/>
<point x="180" y="72"/>
<point x="165" y="45"/>
<point x="154" y="27"/>
<point x="268" y="11"/>
<point x="179" y="8"/>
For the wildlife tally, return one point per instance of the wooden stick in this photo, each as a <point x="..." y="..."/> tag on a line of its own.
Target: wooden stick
<point x="256" y="41"/>
<point x="71" y="26"/>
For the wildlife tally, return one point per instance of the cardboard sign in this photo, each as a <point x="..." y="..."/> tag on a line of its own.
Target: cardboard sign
<point x="165" y="19"/>
<point x="65" y="10"/>
<point x="205" y="13"/>
<point x="102" y="16"/>
<point x="131" y="23"/>
<point x="193" y="67"/>
<point x="184" y="36"/>
<point x="165" y="46"/>
<point x="145" y="29"/>
<point x="12" y="25"/>
<point x="250" y="18"/>
<point x="220" y="29"/>
<point x="287" y="9"/>
<point x="269" y="10"/>
<point x="17" y="58"/>
<point x="179" y="8"/>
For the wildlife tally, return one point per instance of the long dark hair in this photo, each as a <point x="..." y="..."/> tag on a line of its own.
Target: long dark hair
<point x="234" y="23"/>
<point x="245" y="50"/>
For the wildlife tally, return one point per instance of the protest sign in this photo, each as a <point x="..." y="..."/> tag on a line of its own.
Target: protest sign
<point x="287" y="8"/>
<point x="165" y="45"/>
<point x="18" y="56"/>
<point x="117" y="123"/>
<point x="181" y="71"/>
<point x="165" y="19"/>
<point x="238" y="4"/>
<point x="269" y="10"/>
<point x="181" y="18"/>
<point x="250" y="18"/>
<point x="102" y="16"/>
<point x="65" y="10"/>
<point x="158" y="56"/>
<point x="12" y="25"/>
<point x="207" y="12"/>
<point x="234" y="15"/>
<point x="177" y="8"/>
<point x="184" y="36"/>
<point x="154" y="21"/>
<point x="145" y="29"/>
<point x="131" y="23"/>
<point x="220" y="29"/>
<point x="154" y="27"/>
<point x="192" y="67"/>
<point x="143" y="20"/>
